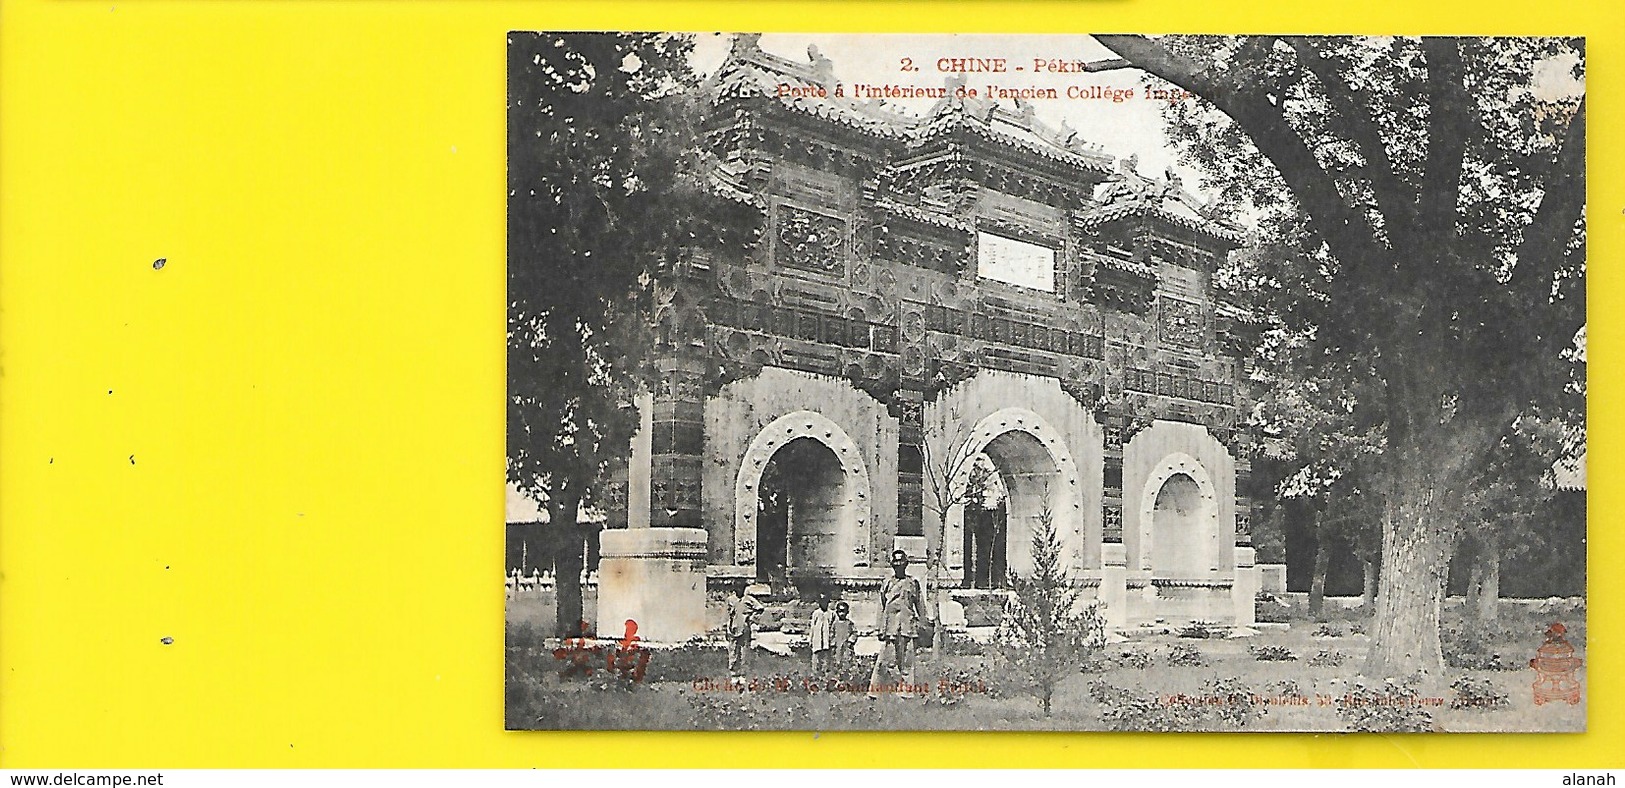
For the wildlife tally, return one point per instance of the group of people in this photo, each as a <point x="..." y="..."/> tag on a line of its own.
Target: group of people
<point x="832" y="634"/>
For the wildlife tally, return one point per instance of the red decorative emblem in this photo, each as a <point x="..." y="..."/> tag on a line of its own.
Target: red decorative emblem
<point x="1554" y="666"/>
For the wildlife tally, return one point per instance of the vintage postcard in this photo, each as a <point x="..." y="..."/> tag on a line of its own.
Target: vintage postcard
<point x="1113" y="382"/>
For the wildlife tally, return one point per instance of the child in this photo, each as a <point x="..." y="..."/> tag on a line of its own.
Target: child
<point x="844" y="635"/>
<point x="821" y="634"/>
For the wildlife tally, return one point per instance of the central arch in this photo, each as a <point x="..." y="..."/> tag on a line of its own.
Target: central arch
<point x="825" y="487"/>
<point x="1038" y="475"/>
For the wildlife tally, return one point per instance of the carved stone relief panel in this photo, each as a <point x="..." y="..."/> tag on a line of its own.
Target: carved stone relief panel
<point x="1181" y="322"/>
<point x="809" y="241"/>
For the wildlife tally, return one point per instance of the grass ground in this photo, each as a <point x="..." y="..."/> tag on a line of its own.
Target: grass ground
<point x="1149" y="682"/>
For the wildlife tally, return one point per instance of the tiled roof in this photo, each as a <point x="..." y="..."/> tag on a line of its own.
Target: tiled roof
<point x="923" y="216"/>
<point x="1133" y="194"/>
<point x="725" y="180"/>
<point x="748" y="72"/>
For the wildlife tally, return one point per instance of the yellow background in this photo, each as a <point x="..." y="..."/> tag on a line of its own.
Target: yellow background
<point x="284" y="449"/>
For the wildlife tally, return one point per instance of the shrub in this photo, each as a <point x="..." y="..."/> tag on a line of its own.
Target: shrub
<point x="1126" y="710"/>
<point x="1469" y="646"/>
<point x="1097" y="663"/>
<point x="1224" y="704"/>
<point x="1329" y="629"/>
<point x="1328" y="658"/>
<point x="1046" y="634"/>
<point x="1357" y="627"/>
<point x="1286" y="688"/>
<point x="1392" y="707"/>
<point x="951" y="685"/>
<point x="1202" y="630"/>
<point x="964" y="646"/>
<point x="1272" y="654"/>
<point x="1185" y="655"/>
<point x="1474" y="693"/>
<point x="1133" y="660"/>
<point x="1235" y="705"/>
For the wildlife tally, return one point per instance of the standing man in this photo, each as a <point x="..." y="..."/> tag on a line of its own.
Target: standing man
<point x="742" y="608"/>
<point x="902" y="608"/>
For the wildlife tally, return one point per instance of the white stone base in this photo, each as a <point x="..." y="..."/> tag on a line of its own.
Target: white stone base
<point x="1272" y="578"/>
<point x="1129" y="598"/>
<point x="655" y="577"/>
<point x="1246" y="587"/>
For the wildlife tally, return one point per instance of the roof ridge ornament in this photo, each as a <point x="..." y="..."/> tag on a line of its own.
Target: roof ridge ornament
<point x="745" y="44"/>
<point x="823" y="68"/>
<point x="1129" y="166"/>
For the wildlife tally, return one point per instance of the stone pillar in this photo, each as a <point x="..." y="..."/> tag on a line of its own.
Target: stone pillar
<point x="910" y="464"/>
<point x="1111" y="495"/>
<point x="656" y="577"/>
<point x="1244" y="521"/>
<point x="676" y="441"/>
<point x="1246" y="587"/>
<point x="1114" y="583"/>
<point x="641" y="466"/>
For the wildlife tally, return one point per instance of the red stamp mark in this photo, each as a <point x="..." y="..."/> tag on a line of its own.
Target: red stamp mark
<point x="1555" y="665"/>
<point x="577" y="655"/>
<point x="624" y="658"/>
<point x="629" y="659"/>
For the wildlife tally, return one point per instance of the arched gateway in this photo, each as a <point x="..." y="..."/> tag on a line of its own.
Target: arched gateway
<point x="1040" y="479"/>
<point x="890" y="270"/>
<point x="813" y="515"/>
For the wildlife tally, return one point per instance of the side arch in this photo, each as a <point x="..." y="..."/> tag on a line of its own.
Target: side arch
<point x="1170" y="466"/>
<point x="855" y="518"/>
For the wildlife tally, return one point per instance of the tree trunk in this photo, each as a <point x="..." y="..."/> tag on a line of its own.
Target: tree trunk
<point x="1416" y="545"/>
<point x="1368" y="584"/>
<point x="567" y="584"/>
<point x="1484" y="587"/>
<point x="568" y="544"/>
<point x="1323" y="553"/>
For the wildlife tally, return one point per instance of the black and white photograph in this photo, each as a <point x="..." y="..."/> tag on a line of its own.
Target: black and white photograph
<point x="1045" y="382"/>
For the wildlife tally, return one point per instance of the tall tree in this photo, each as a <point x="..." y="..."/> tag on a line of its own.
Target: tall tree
<point x="1442" y="180"/>
<point x="602" y="196"/>
<point x="952" y="477"/>
<point x="1318" y="441"/>
<point x="1500" y="514"/>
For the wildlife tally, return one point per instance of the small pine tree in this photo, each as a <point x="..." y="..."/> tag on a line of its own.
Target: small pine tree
<point x="1045" y="633"/>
